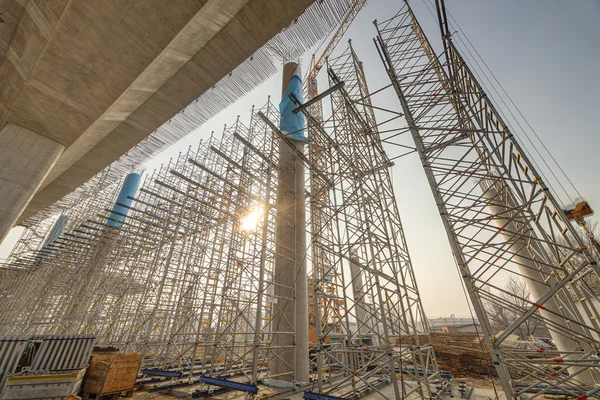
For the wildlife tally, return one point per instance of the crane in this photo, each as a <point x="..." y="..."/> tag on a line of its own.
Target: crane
<point x="319" y="210"/>
<point x="315" y="65"/>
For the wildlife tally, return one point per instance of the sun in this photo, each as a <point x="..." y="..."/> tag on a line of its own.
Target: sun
<point x="250" y="221"/>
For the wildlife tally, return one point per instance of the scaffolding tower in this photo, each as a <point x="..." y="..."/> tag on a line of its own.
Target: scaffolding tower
<point x="367" y="309"/>
<point x="500" y="216"/>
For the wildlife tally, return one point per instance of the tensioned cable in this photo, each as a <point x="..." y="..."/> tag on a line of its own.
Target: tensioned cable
<point x="478" y="55"/>
<point x="484" y="78"/>
<point x="516" y="108"/>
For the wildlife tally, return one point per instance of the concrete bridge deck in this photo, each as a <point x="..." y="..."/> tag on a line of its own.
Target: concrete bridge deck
<point x="82" y="82"/>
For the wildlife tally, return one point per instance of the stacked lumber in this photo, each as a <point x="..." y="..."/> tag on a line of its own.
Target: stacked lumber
<point x="459" y="353"/>
<point x="111" y="374"/>
<point x="462" y="353"/>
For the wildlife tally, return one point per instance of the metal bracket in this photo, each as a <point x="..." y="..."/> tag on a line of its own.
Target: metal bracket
<point x="246" y="387"/>
<point x="314" y="99"/>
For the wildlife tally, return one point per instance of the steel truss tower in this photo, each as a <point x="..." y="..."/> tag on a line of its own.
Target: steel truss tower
<point x="367" y="313"/>
<point x="500" y="216"/>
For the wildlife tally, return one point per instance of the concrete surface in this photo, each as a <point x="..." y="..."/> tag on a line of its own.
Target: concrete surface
<point x="291" y="291"/>
<point x="25" y="160"/>
<point x="98" y="76"/>
<point x="483" y="390"/>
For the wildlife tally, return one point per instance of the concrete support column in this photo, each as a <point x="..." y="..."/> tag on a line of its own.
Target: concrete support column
<point x="533" y="278"/>
<point x="302" y="363"/>
<point x="121" y="208"/>
<point x="25" y="159"/>
<point x="291" y="287"/>
<point x="357" y="293"/>
<point x="284" y="308"/>
<point x="57" y="230"/>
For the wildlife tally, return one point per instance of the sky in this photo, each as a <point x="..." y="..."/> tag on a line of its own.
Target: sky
<point x="544" y="53"/>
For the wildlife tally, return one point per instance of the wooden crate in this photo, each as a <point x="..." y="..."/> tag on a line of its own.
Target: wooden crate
<point x="111" y="374"/>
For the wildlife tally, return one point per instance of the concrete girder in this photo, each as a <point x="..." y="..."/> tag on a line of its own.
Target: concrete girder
<point x="99" y="77"/>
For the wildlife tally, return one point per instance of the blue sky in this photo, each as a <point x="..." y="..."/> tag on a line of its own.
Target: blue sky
<point x="546" y="55"/>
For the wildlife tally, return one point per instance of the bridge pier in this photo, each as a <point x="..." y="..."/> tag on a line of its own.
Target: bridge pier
<point x="25" y="159"/>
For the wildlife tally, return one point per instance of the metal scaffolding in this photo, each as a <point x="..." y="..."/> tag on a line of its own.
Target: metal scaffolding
<point x="186" y="275"/>
<point x="367" y="310"/>
<point x="500" y="216"/>
<point x="178" y="280"/>
<point x="189" y="272"/>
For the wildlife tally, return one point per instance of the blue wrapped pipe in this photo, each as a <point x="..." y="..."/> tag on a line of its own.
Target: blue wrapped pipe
<point x="121" y="207"/>
<point x="292" y="125"/>
<point x="57" y="230"/>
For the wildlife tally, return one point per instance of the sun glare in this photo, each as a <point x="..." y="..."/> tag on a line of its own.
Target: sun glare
<point x="250" y="221"/>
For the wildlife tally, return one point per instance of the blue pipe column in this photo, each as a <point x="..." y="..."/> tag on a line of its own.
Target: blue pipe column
<point x="292" y="125"/>
<point x="57" y="229"/>
<point x="128" y="189"/>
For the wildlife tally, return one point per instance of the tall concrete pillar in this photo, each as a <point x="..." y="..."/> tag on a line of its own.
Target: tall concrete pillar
<point x="291" y="286"/>
<point x="25" y="159"/>
<point x="302" y="363"/>
<point x="282" y="362"/>
<point x="528" y="268"/>
<point x="357" y="293"/>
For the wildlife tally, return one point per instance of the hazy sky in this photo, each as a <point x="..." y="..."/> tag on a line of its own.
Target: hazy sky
<point x="546" y="55"/>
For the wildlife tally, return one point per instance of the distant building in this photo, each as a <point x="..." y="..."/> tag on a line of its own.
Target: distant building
<point x="454" y="324"/>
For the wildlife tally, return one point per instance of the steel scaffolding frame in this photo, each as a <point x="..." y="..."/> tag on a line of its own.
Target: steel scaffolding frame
<point x="500" y="217"/>
<point x="25" y="274"/>
<point x="180" y="281"/>
<point x="119" y="284"/>
<point x="362" y="273"/>
<point x="184" y="281"/>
